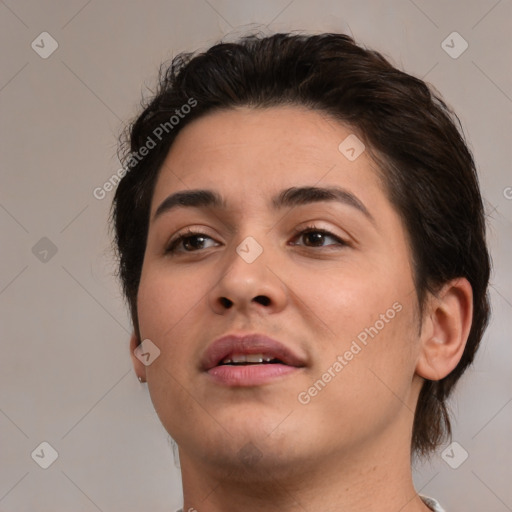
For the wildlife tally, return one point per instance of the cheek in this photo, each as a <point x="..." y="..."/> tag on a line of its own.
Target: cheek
<point x="347" y="300"/>
<point x="367" y="316"/>
<point x="167" y="312"/>
<point x="363" y="378"/>
<point x="165" y="298"/>
<point x="167" y="304"/>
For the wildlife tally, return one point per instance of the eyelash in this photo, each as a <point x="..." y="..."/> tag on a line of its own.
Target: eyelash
<point x="189" y="233"/>
<point x="314" y="229"/>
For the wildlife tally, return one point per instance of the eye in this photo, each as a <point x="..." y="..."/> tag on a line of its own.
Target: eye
<point x="314" y="237"/>
<point x="193" y="241"/>
<point x="190" y="241"/>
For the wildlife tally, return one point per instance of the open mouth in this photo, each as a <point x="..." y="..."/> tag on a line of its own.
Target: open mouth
<point x="249" y="359"/>
<point x="241" y="370"/>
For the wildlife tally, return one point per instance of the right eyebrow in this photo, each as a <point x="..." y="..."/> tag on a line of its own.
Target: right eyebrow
<point x="199" y="198"/>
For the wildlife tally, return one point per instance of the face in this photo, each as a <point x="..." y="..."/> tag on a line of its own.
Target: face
<point x="327" y="276"/>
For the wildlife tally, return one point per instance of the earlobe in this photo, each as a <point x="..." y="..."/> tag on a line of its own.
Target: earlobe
<point x="446" y="329"/>
<point x="138" y="366"/>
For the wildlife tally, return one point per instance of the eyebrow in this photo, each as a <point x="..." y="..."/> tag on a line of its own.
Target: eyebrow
<point x="288" y="198"/>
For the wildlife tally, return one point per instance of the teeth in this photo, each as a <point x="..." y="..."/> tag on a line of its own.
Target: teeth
<point x="247" y="358"/>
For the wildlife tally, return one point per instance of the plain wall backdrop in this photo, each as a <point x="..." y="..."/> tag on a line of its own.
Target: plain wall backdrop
<point x="65" y="373"/>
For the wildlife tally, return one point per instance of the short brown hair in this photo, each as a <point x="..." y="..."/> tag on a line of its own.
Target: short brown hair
<point x="426" y="166"/>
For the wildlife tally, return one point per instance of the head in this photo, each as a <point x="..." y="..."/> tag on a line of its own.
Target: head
<point x="266" y="114"/>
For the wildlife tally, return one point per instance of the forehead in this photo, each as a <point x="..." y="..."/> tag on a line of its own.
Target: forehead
<point x="250" y="153"/>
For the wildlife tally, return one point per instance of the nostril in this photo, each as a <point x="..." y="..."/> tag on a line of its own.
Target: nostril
<point x="262" y="299"/>
<point x="226" y="302"/>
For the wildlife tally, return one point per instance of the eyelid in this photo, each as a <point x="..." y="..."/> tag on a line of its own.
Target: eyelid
<point x="185" y="233"/>
<point x="172" y="246"/>
<point x="313" y="227"/>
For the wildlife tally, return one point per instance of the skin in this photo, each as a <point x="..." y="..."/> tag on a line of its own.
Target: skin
<point x="349" y="447"/>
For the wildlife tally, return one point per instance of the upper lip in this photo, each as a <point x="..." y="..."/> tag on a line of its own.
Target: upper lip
<point x="255" y="343"/>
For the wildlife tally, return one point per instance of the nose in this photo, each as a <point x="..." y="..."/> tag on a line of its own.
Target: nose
<point x="249" y="286"/>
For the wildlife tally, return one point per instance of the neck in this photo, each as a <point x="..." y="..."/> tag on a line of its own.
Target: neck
<point x="377" y="477"/>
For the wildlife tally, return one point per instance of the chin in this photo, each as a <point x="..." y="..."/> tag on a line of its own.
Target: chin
<point x="253" y="463"/>
<point x="252" y="451"/>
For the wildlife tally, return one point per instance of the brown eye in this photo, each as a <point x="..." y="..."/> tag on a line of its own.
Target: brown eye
<point x="190" y="241"/>
<point x="314" y="237"/>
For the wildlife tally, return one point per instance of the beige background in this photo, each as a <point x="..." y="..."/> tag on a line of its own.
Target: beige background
<point x="65" y="372"/>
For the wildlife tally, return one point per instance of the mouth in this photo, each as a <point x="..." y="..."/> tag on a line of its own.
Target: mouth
<point x="249" y="360"/>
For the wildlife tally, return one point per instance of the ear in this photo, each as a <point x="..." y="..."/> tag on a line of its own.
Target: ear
<point x="138" y="366"/>
<point x="445" y="329"/>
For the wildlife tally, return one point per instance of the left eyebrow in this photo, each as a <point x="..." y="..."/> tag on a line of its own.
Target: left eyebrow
<point x="296" y="196"/>
<point x="288" y="198"/>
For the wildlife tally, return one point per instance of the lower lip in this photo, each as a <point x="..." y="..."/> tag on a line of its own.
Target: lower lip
<point x="250" y="375"/>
